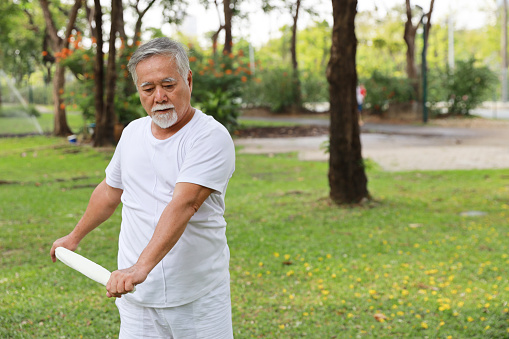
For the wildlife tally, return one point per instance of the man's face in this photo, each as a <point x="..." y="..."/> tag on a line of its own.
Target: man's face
<point x="164" y="94"/>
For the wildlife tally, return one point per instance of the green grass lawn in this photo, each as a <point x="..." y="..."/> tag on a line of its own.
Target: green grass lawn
<point x="408" y="264"/>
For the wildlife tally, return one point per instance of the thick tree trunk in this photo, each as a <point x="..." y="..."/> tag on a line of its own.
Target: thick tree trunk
<point x="228" y="14"/>
<point x="105" y="126"/>
<point x="347" y="177"/>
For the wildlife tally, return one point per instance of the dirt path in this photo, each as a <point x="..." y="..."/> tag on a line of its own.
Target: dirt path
<point x="441" y="145"/>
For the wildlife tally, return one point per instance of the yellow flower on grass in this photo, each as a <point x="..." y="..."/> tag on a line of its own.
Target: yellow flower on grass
<point x="424" y="325"/>
<point x="404" y="292"/>
<point x="372" y="292"/>
<point x="287" y="256"/>
<point x="276" y="254"/>
<point x="470" y="319"/>
<point x="281" y="327"/>
<point x="349" y="315"/>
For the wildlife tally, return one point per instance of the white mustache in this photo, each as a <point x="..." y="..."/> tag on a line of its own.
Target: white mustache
<point x="160" y="107"/>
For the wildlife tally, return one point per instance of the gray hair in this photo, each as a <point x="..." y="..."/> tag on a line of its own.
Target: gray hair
<point x="160" y="46"/>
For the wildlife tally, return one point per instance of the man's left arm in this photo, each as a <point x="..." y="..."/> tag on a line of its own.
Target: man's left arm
<point x="187" y="199"/>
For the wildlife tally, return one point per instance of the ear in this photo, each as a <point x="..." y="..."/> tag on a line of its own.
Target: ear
<point x="190" y="81"/>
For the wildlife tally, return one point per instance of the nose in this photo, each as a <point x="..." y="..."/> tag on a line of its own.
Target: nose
<point x="160" y="95"/>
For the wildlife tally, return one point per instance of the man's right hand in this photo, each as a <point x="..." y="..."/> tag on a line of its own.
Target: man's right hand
<point x="69" y="242"/>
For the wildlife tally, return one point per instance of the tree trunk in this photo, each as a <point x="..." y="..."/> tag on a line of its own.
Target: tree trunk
<point x="228" y="14"/>
<point x="297" y="95"/>
<point x="61" y="128"/>
<point x="347" y="177"/>
<point x="105" y="126"/>
<point x="503" y="46"/>
<point x="100" y="131"/>
<point x="409" y="37"/>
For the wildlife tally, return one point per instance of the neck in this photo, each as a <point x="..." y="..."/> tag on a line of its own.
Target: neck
<point x="165" y="133"/>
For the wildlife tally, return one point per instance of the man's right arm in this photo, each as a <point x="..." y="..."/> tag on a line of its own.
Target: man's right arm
<point x="103" y="202"/>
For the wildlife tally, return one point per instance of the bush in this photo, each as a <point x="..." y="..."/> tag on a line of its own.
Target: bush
<point x="315" y="87"/>
<point x="272" y="88"/>
<point x="223" y="107"/>
<point x="383" y="90"/>
<point x="468" y="86"/>
<point x="218" y="83"/>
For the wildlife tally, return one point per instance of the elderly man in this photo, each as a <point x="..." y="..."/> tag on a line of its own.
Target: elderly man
<point x="170" y="170"/>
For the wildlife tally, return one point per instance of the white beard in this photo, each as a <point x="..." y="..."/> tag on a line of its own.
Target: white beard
<point x="164" y="120"/>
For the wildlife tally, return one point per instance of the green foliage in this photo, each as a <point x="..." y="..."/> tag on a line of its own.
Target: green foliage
<point x="315" y="87"/>
<point x="273" y="88"/>
<point x="217" y="84"/>
<point x="468" y="85"/>
<point x="78" y="94"/>
<point x="223" y="106"/>
<point x="462" y="88"/>
<point x="407" y="265"/>
<point x="381" y="47"/>
<point x="383" y="90"/>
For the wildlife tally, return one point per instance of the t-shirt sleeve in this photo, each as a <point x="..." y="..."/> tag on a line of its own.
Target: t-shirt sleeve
<point x="210" y="161"/>
<point x="113" y="171"/>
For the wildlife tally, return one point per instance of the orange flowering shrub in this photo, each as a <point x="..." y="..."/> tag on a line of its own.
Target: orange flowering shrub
<point x="218" y="83"/>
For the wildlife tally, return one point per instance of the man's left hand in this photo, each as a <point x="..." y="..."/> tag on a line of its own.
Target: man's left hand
<point x="123" y="281"/>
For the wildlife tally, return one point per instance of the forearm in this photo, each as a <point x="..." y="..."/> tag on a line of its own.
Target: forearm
<point x="186" y="201"/>
<point x="170" y="228"/>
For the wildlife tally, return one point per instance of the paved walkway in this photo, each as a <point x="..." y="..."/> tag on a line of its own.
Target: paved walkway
<point x="405" y="147"/>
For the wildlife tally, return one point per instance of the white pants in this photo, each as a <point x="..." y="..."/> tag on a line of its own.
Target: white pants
<point x="207" y="317"/>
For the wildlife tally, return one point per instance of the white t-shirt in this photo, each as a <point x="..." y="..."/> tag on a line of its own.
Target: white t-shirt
<point x="147" y="169"/>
